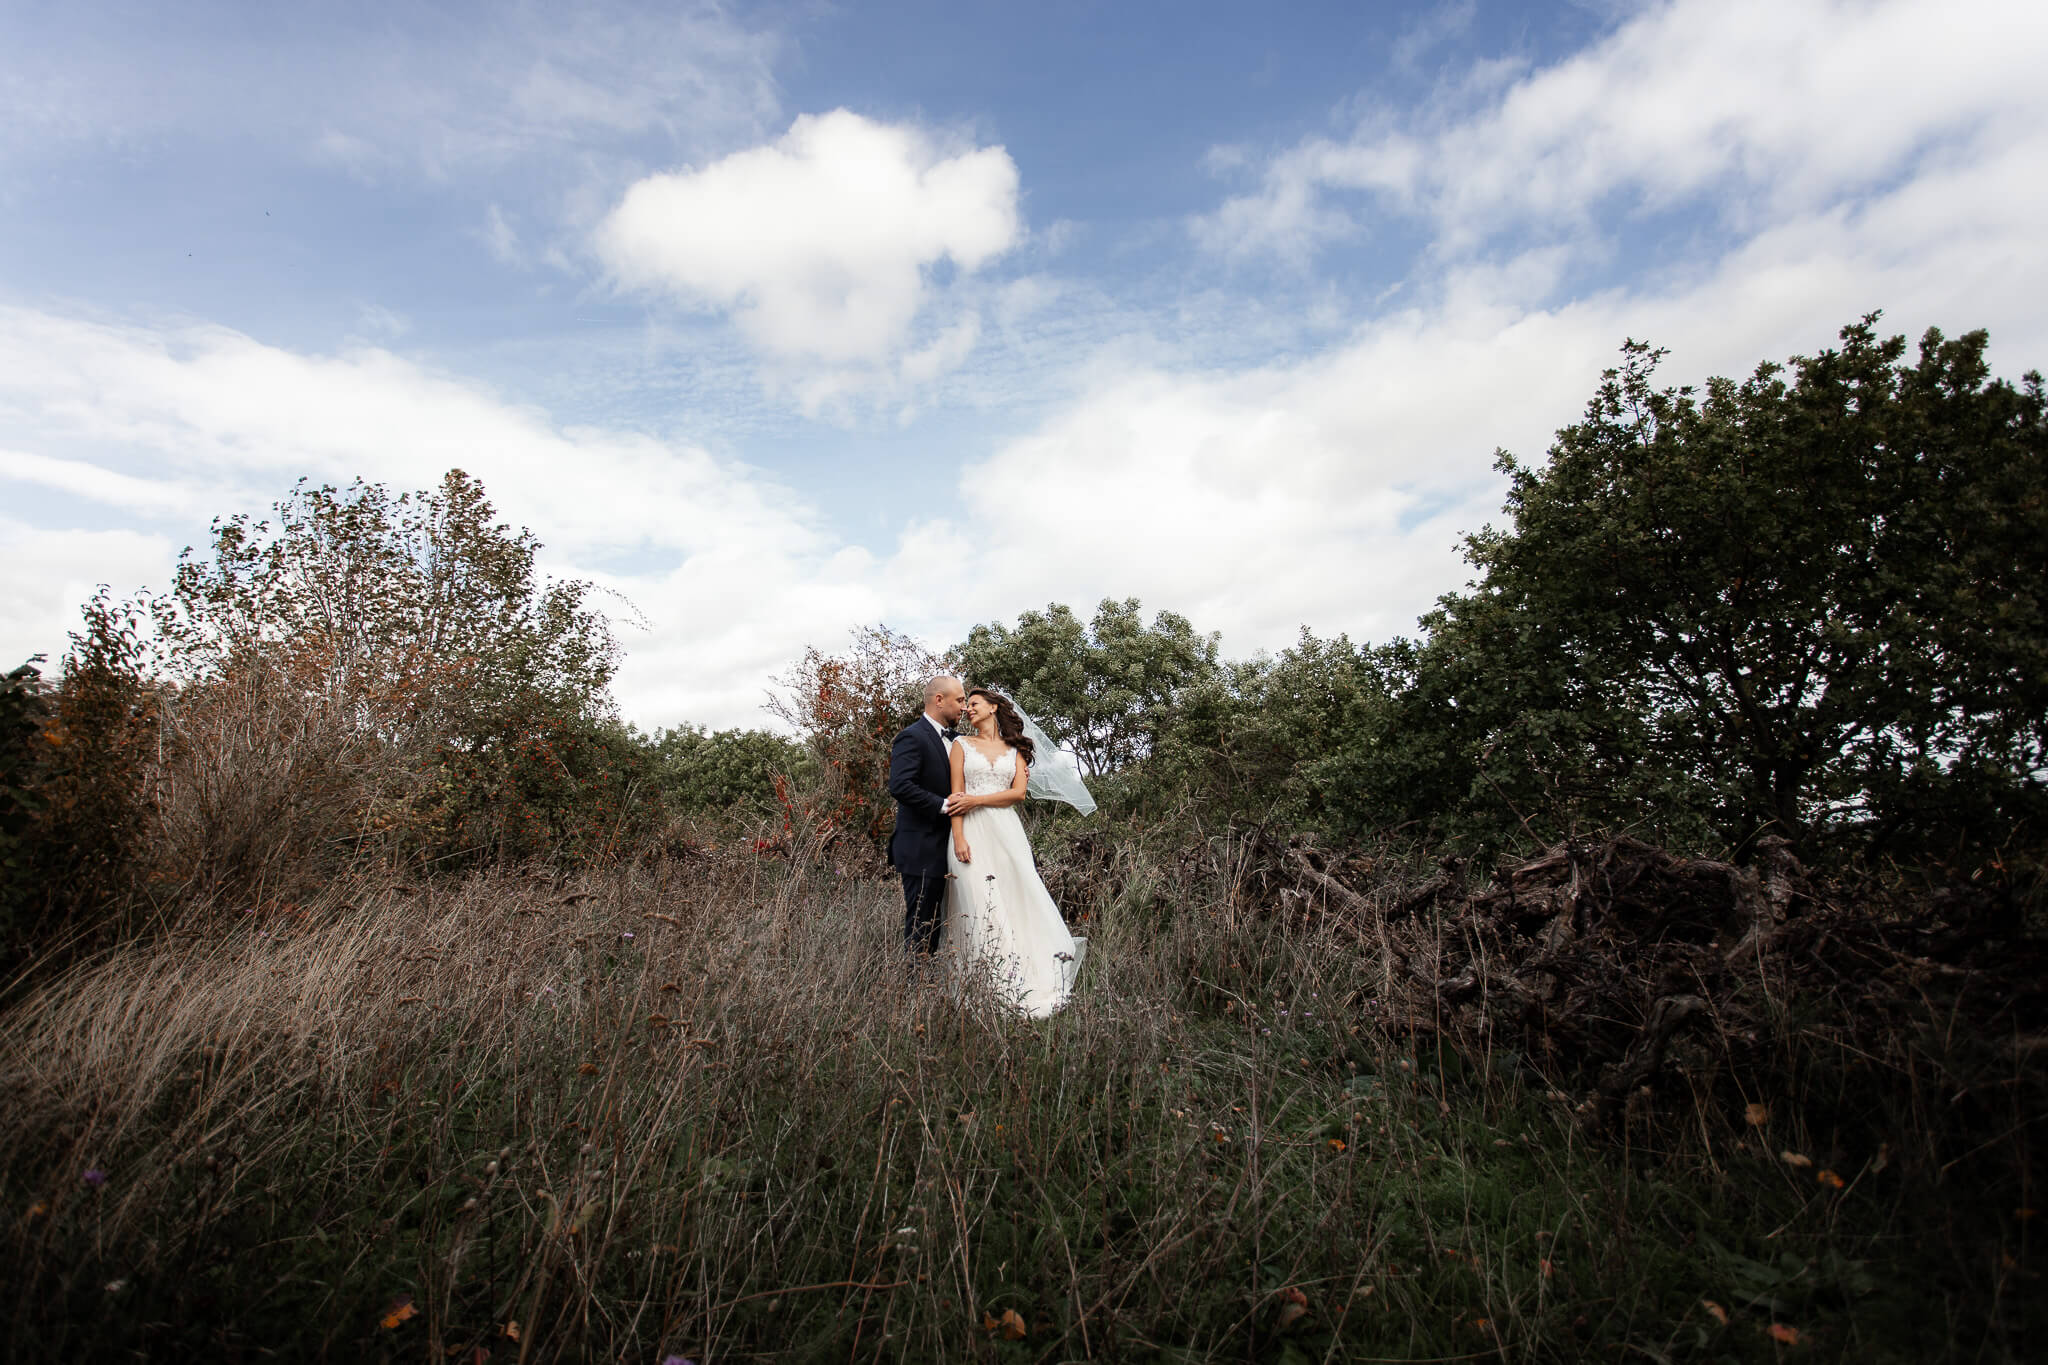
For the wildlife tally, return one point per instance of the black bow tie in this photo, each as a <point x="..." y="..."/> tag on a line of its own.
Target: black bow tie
<point x="950" y="734"/>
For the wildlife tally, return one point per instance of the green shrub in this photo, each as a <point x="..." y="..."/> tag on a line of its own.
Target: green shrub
<point x="725" y="773"/>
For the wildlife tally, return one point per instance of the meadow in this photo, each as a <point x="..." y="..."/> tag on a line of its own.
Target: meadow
<point x="689" y="1108"/>
<point x="1644" y="961"/>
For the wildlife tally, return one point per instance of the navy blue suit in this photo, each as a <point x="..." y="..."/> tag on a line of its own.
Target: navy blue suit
<point x="920" y="778"/>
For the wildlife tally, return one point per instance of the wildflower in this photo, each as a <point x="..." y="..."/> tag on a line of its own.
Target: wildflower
<point x="627" y="934"/>
<point x="677" y="1360"/>
<point x="95" y="1177"/>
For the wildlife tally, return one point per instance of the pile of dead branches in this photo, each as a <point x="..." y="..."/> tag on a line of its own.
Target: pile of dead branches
<point x="1618" y="971"/>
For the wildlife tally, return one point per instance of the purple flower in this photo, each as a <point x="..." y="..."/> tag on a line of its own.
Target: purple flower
<point x="95" y="1177"/>
<point x="676" y="1360"/>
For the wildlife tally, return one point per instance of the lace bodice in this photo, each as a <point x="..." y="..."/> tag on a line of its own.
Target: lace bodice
<point x="982" y="776"/>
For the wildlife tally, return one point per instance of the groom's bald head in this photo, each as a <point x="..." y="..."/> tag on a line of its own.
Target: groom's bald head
<point x="943" y="698"/>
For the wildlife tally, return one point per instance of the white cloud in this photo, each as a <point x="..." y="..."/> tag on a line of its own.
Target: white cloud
<point x="374" y="320"/>
<point x="1332" y="492"/>
<point x="51" y="572"/>
<point x="1773" y="107"/>
<point x="1329" y="491"/>
<point x="381" y="90"/>
<point x="741" y="575"/>
<point x="108" y="487"/>
<point x="499" y="237"/>
<point x="948" y="351"/>
<point x="821" y="245"/>
<point x="1443" y="23"/>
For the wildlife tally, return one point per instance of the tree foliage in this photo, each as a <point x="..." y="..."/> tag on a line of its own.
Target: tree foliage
<point x="847" y="709"/>
<point x="1798" y="603"/>
<point x="1276" y="739"/>
<point x="419" y="607"/>
<point x="458" y="699"/>
<point x="726" y="772"/>
<point x="74" y="790"/>
<point x="1103" y="689"/>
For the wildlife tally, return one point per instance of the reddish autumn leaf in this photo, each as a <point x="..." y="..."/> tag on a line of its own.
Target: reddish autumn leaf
<point x="1757" y="1115"/>
<point x="1791" y="1158"/>
<point x="400" y="1311"/>
<point x="1783" y="1335"/>
<point x="1715" y="1311"/>
<point x="1830" y="1179"/>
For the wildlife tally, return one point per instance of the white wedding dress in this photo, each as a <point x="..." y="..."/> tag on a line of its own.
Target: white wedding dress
<point x="1002" y="927"/>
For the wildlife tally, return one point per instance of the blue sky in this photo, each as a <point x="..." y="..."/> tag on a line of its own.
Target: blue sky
<point x="783" y="319"/>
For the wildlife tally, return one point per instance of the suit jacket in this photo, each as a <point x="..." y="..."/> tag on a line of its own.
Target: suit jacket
<point x="920" y="778"/>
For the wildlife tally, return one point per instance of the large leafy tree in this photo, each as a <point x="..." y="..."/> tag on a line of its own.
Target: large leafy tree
<point x="389" y="664"/>
<point x="1806" y="600"/>
<point x="1278" y="738"/>
<point x="1102" y="688"/>
<point x="417" y="607"/>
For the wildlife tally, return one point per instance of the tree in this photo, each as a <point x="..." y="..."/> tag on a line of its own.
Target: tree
<point x="725" y="772"/>
<point x="1274" y="739"/>
<point x="1102" y="689"/>
<point x="1804" y="596"/>
<point x="74" y="773"/>
<point x="847" y="708"/>
<point x="414" y="607"/>
<point x="372" y="664"/>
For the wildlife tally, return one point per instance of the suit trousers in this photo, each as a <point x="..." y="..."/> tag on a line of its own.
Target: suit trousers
<point x="924" y="908"/>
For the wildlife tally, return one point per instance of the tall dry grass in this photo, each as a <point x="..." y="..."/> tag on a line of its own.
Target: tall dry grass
<point x="265" y="782"/>
<point x="698" y="1110"/>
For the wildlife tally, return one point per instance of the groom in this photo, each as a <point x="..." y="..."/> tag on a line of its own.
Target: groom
<point x="921" y="780"/>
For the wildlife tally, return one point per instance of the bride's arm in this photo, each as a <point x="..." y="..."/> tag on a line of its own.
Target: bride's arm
<point x="958" y="763"/>
<point x="1012" y="794"/>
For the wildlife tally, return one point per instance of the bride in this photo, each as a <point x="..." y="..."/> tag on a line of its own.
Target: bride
<point x="1000" y="920"/>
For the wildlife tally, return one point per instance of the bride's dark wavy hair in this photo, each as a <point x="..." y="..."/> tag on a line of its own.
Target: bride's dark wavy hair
<point x="1009" y="725"/>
